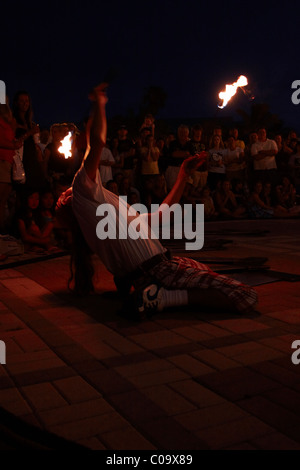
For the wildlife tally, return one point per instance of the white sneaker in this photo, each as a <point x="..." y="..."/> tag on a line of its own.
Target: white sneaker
<point x="151" y="299"/>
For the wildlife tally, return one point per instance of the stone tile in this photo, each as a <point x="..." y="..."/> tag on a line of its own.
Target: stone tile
<point x="241" y="446"/>
<point x="5" y="381"/>
<point x="211" y="416"/>
<point x="192" y="334"/>
<point x="214" y="359"/>
<point x="236" y="384"/>
<point x="92" y="443"/>
<point x="238" y="349"/>
<point x="276" y="372"/>
<point x="276" y="441"/>
<point x="24" y="287"/>
<point x="45" y="375"/>
<point x="76" y="389"/>
<point x="75" y="412"/>
<point x="178" y="349"/>
<point x="9" y="273"/>
<point x="73" y="353"/>
<point x="159" y="338"/>
<point x="224" y="341"/>
<point x="107" y="382"/>
<point x="146" y="367"/>
<point x="190" y="365"/>
<point x="241" y="325"/>
<point x="89" y="427"/>
<point x="234" y="432"/>
<point x="136" y="407"/>
<point x="123" y="345"/>
<point x="287" y="315"/>
<point x="43" y="396"/>
<point x="170" y="401"/>
<point x="31" y="356"/>
<point x="37" y="365"/>
<point x="213" y="330"/>
<point x="128" y="359"/>
<point x="167" y="434"/>
<point x="260" y="354"/>
<point x="285" y="397"/>
<point x="12" y="400"/>
<point x="12" y="349"/>
<point x="29" y="341"/>
<point x="126" y="439"/>
<point x="196" y="393"/>
<point x="100" y="349"/>
<point x="271" y="413"/>
<point x="163" y="377"/>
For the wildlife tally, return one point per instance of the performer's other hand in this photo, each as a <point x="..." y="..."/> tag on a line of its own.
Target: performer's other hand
<point x="192" y="163"/>
<point x="99" y="93"/>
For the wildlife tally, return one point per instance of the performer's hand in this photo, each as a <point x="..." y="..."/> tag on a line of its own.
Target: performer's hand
<point x="191" y="164"/>
<point x="99" y="93"/>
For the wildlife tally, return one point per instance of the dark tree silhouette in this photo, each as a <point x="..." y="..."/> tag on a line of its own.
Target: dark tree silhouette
<point x="154" y="99"/>
<point x="260" y="116"/>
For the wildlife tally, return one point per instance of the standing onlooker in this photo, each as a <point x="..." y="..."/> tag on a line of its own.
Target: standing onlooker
<point x="290" y="143"/>
<point x="234" y="132"/>
<point x="27" y="129"/>
<point x="217" y="130"/>
<point x="234" y="160"/>
<point x="199" y="176"/>
<point x="294" y="167"/>
<point x="127" y="150"/>
<point x="149" y="154"/>
<point x="179" y="150"/>
<point x="106" y="162"/>
<point x="282" y="156"/>
<point x="252" y="138"/>
<point x="216" y="166"/>
<point x="148" y="124"/>
<point x="264" y="153"/>
<point x="8" y="146"/>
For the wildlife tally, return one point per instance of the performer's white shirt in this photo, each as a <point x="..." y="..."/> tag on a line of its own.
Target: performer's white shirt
<point x="106" y="171"/>
<point x="120" y="256"/>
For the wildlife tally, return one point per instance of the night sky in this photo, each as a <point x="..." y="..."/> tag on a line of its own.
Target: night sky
<point x="57" y="50"/>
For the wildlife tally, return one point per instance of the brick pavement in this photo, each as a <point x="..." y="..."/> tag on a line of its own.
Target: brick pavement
<point x="184" y="380"/>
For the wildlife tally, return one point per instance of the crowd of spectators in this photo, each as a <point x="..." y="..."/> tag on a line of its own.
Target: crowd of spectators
<point x="250" y="176"/>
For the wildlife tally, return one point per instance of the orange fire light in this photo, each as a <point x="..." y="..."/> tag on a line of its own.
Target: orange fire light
<point x="66" y="146"/>
<point x="230" y="90"/>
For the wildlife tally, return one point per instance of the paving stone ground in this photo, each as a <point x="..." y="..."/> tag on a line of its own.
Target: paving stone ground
<point x="184" y="380"/>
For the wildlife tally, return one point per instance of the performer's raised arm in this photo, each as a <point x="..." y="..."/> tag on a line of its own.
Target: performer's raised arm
<point x="96" y="131"/>
<point x="188" y="166"/>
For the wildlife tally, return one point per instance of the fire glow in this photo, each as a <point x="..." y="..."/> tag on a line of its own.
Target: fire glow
<point x="66" y="146"/>
<point x="230" y="90"/>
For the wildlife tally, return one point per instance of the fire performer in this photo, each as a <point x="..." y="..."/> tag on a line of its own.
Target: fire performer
<point x="160" y="281"/>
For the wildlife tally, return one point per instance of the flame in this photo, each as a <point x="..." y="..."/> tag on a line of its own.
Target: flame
<point x="66" y="146"/>
<point x="230" y="90"/>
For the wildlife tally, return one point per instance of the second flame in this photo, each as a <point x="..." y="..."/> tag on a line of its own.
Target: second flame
<point x="230" y="90"/>
<point x="66" y="146"/>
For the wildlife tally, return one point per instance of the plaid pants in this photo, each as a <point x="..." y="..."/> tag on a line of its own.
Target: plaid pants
<point x="186" y="273"/>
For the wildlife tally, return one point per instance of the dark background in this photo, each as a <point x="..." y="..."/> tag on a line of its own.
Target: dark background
<point x="57" y="50"/>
